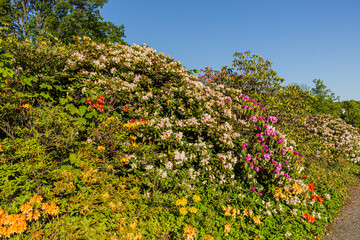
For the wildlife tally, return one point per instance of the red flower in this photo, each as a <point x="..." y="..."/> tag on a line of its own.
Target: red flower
<point x="309" y="217"/>
<point x="101" y="99"/>
<point x="311" y="187"/>
<point x="88" y="100"/>
<point x="316" y="198"/>
<point x="101" y="108"/>
<point x="126" y="109"/>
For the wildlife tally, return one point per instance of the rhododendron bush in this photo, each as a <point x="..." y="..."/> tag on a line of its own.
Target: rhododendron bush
<point x="136" y="147"/>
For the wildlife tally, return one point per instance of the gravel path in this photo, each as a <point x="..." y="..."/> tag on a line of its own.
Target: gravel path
<point x="347" y="225"/>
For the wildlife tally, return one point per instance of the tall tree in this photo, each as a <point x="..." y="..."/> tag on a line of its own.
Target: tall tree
<point x="325" y="99"/>
<point x="63" y="19"/>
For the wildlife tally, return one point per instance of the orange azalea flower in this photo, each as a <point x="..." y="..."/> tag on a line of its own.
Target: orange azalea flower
<point x="51" y="209"/>
<point x="190" y="231"/>
<point x="257" y="219"/>
<point x="26" y="208"/>
<point x="309" y="217"/>
<point x="227" y="229"/>
<point x="311" y="187"/>
<point x="36" y="199"/>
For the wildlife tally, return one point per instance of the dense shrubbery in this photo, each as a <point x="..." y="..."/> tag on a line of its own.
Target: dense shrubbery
<point x="126" y="144"/>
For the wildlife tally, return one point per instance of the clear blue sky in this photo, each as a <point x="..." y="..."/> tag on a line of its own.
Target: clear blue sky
<point x="304" y="39"/>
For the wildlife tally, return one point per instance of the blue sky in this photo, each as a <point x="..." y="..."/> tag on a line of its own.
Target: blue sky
<point x="304" y="39"/>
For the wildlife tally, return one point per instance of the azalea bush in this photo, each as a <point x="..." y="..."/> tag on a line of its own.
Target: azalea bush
<point x="135" y="147"/>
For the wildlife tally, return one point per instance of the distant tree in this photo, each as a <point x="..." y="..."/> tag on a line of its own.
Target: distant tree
<point x="325" y="99"/>
<point x="62" y="19"/>
<point x="351" y="113"/>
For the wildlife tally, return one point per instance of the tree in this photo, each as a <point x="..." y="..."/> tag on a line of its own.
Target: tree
<point x="256" y="74"/>
<point x="351" y="113"/>
<point x="325" y="101"/>
<point x="62" y="19"/>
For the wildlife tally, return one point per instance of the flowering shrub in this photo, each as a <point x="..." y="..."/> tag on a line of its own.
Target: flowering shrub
<point x="139" y="148"/>
<point x="336" y="134"/>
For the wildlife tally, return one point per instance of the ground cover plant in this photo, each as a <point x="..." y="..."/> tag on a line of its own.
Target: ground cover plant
<point x="107" y="141"/>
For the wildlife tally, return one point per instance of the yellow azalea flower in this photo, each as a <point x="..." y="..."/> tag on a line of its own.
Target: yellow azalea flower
<point x="133" y="137"/>
<point x="257" y="219"/>
<point x="208" y="237"/>
<point x="101" y="149"/>
<point x="43" y="42"/>
<point x="183" y="211"/>
<point x="124" y="160"/>
<point x="26" y="106"/>
<point x="193" y="210"/>
<point x="181" y="202"/>
<point x="297" y="189"/>
<point x="196" y="198"/>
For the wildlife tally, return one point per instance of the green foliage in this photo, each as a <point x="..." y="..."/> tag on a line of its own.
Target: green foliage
<point x="5" y="58"/>
<point x="351" y="113"/>
<point x="132" y="147"/>
<point x="325" y="99"/>
<point x="257" y="76"/>
<point x="61" y="20"/>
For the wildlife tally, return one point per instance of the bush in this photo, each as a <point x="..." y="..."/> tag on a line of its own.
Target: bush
<point x="138" y="148"/>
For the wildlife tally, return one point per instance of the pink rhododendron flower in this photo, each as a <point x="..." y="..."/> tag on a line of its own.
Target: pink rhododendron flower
<point x="253" y="119"/>
<point x="272" y="119"/>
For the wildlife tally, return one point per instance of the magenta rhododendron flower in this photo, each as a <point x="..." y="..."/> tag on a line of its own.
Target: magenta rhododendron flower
<point x="262" y="118"/>
<point x="248" y="157"/>
<point x="272" y="119"/>
<point x="253" y="189"/>
<point x="267" y="156"/>
<point x="270" y="132"/>
<point x="253" y="119"/>
<point x="257" y="169"/>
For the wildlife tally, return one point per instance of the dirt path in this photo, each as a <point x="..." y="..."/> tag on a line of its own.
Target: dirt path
<point x="347" y="225"/>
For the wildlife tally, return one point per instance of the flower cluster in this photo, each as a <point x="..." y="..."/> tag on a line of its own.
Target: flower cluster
<point x="99" y="104"/>
<point x="16" y="223"/>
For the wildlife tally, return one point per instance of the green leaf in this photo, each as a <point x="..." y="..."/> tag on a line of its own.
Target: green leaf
<point x="82" y="110"/>
<point x="81" y="121"/>
<point x="44" y="85"/>
<point x="72" y="109"/>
